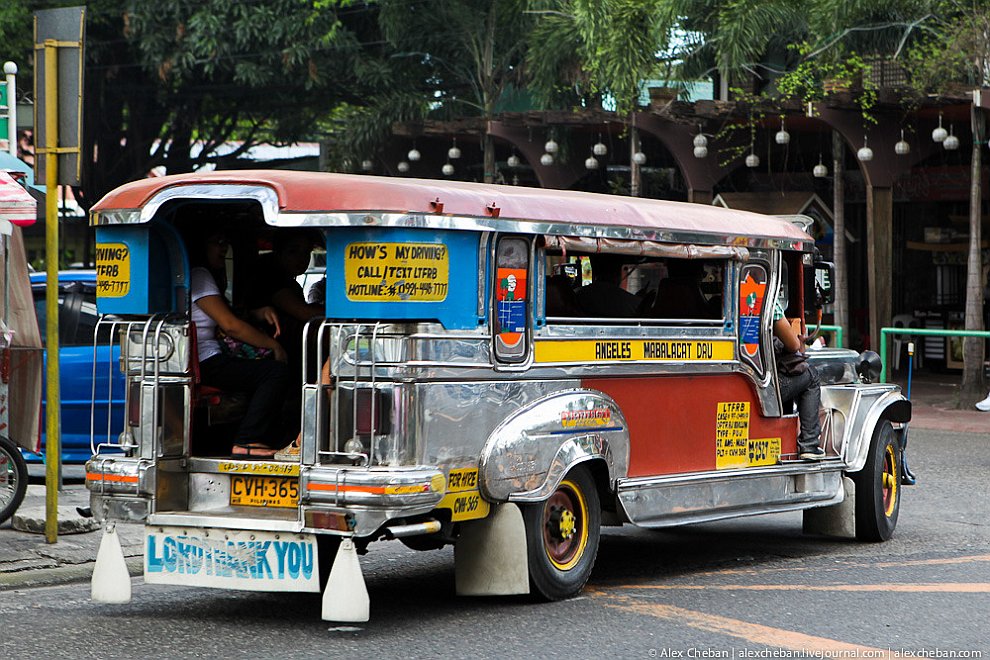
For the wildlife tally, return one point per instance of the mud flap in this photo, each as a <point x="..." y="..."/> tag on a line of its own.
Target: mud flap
<point x="836" y="520"/>
<point x="490" y="556"/>
<point x="111" y="583"/>
<point x="346" y="596"/>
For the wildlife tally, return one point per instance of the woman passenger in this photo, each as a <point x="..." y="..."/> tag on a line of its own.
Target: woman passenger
<point x="265" y="381"/>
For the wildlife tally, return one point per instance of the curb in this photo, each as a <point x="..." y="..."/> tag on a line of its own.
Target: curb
<point x="69" y="574"/>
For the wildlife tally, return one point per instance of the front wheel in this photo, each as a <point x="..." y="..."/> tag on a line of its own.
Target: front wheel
<point x="13" y="478"/>
<point x="562" y="537"/>
<point x="878" y="487"/>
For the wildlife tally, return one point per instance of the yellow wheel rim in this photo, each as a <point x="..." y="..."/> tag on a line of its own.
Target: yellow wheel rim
<point x="565" y="526"/>
<point x="889" y="481"/>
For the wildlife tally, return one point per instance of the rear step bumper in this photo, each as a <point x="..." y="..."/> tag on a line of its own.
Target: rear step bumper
<point x="341" y="499"/>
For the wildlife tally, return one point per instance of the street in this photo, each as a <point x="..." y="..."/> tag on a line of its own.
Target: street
<point x="719" y="590"/>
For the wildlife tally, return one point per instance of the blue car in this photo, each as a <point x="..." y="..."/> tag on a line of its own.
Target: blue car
<point x="77" y="325"/>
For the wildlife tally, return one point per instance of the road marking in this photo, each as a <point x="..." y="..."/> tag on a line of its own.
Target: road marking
<point x="951" y="587"/>
<point x="842" y="565"/>
<point x="751" y="632"/>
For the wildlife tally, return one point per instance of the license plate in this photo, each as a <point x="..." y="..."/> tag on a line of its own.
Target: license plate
<point x="253" y="490"/>
<point x="231" y="559"/>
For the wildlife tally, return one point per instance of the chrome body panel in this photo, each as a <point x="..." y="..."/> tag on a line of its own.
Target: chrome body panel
<point x="118" y="507"/>
<point x="706" y="496"/>
<point x="526" y="456"/>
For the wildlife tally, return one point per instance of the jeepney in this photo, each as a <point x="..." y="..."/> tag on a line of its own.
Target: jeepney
<point x="459" y="392"/>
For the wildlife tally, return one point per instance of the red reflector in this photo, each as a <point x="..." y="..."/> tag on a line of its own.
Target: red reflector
<point x="342" y="522"/>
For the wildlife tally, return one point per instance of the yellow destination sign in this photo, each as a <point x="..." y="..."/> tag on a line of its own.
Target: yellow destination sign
<point x="113" y="270"/>
<point x="396" y="272"/>
<point x="630" y="350"/>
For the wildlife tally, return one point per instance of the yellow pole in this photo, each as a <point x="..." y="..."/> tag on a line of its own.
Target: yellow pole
<point x="53" y="444"/>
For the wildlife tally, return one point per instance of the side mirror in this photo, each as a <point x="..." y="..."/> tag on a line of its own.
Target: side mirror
<point x="821" y="288"/>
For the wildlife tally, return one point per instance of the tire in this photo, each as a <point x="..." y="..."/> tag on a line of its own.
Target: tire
<point x="878" y="487"/>
<point x="562" y="535"/>
<point x="13" y="478"/>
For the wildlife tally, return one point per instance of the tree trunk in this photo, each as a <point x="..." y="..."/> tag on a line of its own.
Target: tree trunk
<point x="489" y="149"/>
<point x="841" y="306"/>
<point x="973" y="384"/>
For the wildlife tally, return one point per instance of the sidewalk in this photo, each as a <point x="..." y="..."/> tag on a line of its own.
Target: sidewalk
<point x="26" y="560"/>
<point x="935" y="398"/>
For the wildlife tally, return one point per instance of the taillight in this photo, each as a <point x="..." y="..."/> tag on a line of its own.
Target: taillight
<point x="372" y="411"/>
<point x="134" y="403"/>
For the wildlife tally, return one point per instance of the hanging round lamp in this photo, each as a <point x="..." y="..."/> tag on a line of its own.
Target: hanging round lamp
<point x="447" y="169"/>
<point x="902" y="148"/>
<point x="550" y="147"/>
<point x="939" y="134"/>
<point x="454" y="153"/>
<point x="865" y="154"/>
<point x="701" y="151"/>
<point x="782" y="136"/>
<point x="819" y="170"/>
<point x="639" y="158"/>
<point x="403" y="166"/>
<point x="951" y="142"/>
<point x="546" y="160"/>
<point x="513" y="161"/>
<point x="367" y="165"/>
<point x="413" y="155"/>
<point x="752" y="160"/>
<point x="591" y="163"/>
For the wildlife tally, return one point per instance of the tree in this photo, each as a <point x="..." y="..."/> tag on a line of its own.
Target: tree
<point x="168" y="82"/>
<point x="441" y="58"/>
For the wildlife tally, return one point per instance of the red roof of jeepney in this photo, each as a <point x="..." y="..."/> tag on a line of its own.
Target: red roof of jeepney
<point x="300" y="192"/>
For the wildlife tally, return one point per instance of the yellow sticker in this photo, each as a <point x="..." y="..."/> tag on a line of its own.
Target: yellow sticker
<point x="462" y="480"/>
<point x="259" y="467"/>
<point x="629" y="350"/>
<point x="732" y="435"/>
<point x="396" y="272"/>
<point x="763" y="451"/>
<point x="463" y="498"/>
<point x="113" y="270"/>
<point x="465" y="506"/>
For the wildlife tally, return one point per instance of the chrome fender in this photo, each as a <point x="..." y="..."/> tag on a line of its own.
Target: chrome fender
<point x="892" y="405"/>
<point x="528" y="454"/>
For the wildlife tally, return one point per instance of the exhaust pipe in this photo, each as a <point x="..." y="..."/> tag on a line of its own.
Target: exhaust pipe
<point x="416" y="529"/>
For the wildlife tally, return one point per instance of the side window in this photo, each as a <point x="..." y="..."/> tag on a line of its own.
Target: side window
<point x="511" y="305"/>
<point x="597" y="288"/>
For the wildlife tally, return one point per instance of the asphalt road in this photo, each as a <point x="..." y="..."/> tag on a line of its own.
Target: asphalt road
<point x="745" y="588"/>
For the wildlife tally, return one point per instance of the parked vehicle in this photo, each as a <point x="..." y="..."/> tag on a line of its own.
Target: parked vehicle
<point x="92" y="386"/>
<point x="468" y="394"/>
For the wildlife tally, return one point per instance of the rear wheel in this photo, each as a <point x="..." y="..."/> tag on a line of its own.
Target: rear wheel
<point x="13" y="478"/>
<point x="878" y="487"/>
<point x="562" y="536"/>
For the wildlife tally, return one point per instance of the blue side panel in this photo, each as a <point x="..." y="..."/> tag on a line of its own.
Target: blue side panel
<point x="403" y="274"/>
<point x="133" y="271"/>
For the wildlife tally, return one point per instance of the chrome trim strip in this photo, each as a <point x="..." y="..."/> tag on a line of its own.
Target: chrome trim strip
<point x="264" y="195"/>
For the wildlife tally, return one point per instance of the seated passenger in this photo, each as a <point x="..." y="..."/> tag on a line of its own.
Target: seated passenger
<point x="274" y="284"/>
<point x="679" y="295"/>
<point x="561" y="299"/>
<point x="605" y="297"/>
<point x="265" y="381"/>
<point x="799" y="382"/>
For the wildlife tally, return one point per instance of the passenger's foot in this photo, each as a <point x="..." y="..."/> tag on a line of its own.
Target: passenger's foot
<point x="814" y="454"/>
<point x="289" y="453"/>
<point x="984" y="405"/>
<point x="253" y="450"/>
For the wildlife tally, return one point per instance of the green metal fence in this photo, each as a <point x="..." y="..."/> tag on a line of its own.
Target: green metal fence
<point x="920" y="332"/>
<point x="834" y="329"/>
